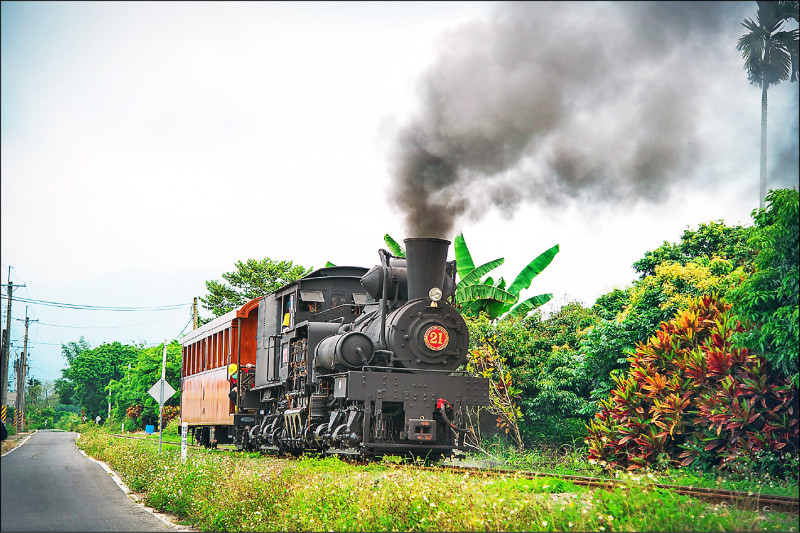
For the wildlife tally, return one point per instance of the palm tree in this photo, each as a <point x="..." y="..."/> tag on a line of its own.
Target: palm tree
<point x="770" y="56"/>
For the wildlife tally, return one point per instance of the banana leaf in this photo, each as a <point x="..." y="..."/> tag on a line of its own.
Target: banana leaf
<point x="483" y="292"/>
<point x="475" y="308"/>
<point x="395" y="248"/>
<point x="495" y="309"/>
<point x="475" y="274"/>
<point x="524" y="307"/>
<point x="464" y="262"/>
<point x="525" y="277"/>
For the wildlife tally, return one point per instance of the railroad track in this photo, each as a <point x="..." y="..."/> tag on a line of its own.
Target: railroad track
<point x="747" y="500"/>
<point x="193" y="445"/>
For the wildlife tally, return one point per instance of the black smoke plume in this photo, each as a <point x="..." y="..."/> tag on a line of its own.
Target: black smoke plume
<point x="555" y="102"/>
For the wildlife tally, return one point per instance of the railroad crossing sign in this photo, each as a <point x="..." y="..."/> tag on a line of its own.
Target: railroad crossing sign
<point x="155" y="391"/>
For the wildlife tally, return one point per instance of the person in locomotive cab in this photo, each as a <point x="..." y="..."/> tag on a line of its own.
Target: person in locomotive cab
<point x="233" y="378"/>
<point x="287" y="320"/>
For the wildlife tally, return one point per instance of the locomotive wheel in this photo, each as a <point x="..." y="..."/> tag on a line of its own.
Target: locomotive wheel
<point x="241" y="439"/>
<point x="201" y="436"/>
<point x="308" y="436"/>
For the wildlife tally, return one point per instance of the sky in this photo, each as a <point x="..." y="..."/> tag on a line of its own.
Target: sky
<point x="148" y="146"/>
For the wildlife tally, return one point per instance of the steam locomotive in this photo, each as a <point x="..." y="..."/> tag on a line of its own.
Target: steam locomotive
<point x="344" y="361"/>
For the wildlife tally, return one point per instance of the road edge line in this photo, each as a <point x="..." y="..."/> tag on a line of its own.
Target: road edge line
<point x="135" y="499"/>
<point x="23" y="441"/>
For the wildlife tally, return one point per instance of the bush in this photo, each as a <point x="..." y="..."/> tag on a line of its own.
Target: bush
<point x="169" y="413"/>
<point x="648" y="302"/>
<point x="173" y="428"/>
<point x="692" y="397"/>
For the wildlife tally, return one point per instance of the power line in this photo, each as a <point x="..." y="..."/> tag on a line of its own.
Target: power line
<point x="83" y="307"/>
<point x="104" y="327"/>
<point x="184" y="327"/>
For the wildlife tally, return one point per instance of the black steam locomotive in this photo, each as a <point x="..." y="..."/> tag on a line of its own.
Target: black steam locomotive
<point x="343" y="361"/>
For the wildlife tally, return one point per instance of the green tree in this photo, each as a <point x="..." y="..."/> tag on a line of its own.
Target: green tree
<point x="91" y="371"/>
<point x="251" y="279"/>
<point x="770" y="56"/>
<point x="34" y="394"/>
<point x="708" y="240"/>
<point x="132" y="388"/>
<point x="65" y="389"/>
<point x="72" y="349"/>
<point x="769" y="298"/>
<point x="542" y="358"/>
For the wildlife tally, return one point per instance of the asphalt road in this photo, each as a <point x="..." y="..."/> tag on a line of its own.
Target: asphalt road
<point x="47" y="485"/>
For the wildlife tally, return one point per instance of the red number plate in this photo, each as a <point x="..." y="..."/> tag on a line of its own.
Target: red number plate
<point x="436" y="338"/>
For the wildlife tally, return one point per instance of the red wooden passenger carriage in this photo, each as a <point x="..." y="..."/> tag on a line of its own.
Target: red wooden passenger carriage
<point x="206" y="382"/>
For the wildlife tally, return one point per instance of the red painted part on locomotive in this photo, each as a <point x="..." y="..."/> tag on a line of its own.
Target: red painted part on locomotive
<point x="206" y="354"/>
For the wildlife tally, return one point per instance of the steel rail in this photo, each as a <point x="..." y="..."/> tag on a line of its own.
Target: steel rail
<point x="135" y="437"/>
<point x="748" y="500"/>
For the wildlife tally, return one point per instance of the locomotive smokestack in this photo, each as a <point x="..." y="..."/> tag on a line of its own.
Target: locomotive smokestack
<point x="426" y="260"/>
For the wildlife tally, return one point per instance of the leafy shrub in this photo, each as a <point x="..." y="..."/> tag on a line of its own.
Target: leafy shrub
<point x="173" y="427"/>
<point x="169" y="413"/>
<point x="691" y="396"/>
<point x="648" y="302"/>
<point x="134" y="412"/>
<point x="486" y="362"/>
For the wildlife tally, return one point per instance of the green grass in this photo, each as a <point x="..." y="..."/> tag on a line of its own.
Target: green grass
<point x="571" y="460"/>
<point x="225" y="491"/>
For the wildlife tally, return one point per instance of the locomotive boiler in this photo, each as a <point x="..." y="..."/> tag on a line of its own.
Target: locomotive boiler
<point x="344" y="361"/>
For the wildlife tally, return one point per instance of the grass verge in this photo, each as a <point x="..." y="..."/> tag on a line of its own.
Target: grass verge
<point x="219" y="491"/>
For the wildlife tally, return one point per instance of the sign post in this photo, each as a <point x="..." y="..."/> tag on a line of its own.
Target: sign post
<point x="184" y="438"/>
<point x="161" y="391"/>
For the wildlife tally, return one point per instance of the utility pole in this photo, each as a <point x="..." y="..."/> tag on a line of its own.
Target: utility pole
<point x="194" y="312"/>
<point x="161" y="403"/>
<point x="17" y="373"/>
<point x="23" y="368"/>
<point x="109" y="400"/>
<point x="7" y="341"/>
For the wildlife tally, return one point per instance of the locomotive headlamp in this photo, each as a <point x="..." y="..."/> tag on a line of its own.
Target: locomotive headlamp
<point x="435" y="295"/>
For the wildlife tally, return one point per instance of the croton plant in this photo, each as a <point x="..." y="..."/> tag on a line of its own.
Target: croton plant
<point x="690" y="395"/>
